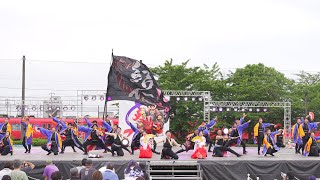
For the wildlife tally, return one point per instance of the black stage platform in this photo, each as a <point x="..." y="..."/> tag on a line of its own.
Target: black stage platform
<point x="230" y="167"/>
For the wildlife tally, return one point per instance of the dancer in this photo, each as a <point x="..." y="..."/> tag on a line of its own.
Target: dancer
<point x="146" y="142"/>
<point x="167" y="147"/>
<point x="28" y="134"/>
<point x="5" y="127"/>
<point x="137" y="135"/>
<point x="241" y="120"/>
<point x="93" y="137"/>
<point x="305" y="130"/>
<point x="279" y="139"/>
<point x="312" y="147"/>
<point x="269" y="145"/>
<point x="188" y="144"/>
<point x="71" y="139"/>
<point x="117" y="143"/>
<point x="54" y="141"/>
<point x="199" y="147"/>
<point x="206" y="132"/>
<point x="7" y="144"/>
<point x="220" y="145"/>
<point x="296" y="136"/>
<point x="258" y="132"/>
<point x="236" y="135"/>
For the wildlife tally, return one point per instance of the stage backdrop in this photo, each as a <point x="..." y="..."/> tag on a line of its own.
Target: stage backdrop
<point x="148" y="117"/>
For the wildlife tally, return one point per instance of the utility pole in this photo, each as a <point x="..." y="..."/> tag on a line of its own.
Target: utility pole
<point x="23" y="91"/>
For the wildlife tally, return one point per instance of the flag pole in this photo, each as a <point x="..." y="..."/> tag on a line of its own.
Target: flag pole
<point x="106" y="97"/>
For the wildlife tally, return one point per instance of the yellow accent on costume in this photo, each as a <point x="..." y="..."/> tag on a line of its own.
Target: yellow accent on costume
<point x="76" y="131"/>
<point x="300" y="131"/>
<point x="29" y="131"/>
<point x="265" y="142"/>
<point x="60" y="140"/>
<point x="256" y="130"/>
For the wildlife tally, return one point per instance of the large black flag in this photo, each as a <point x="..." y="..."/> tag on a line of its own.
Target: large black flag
<point x="130" y="79"/>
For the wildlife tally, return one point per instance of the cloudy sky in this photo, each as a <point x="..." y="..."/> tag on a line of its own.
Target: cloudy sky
<point x="68" y="43"/>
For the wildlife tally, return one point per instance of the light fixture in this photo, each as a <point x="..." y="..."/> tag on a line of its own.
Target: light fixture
<point x="243" y="110"/>
<point x="34" y="108"/>
<point x="235" y="109"/>
<point x="58" y="108"/>
<point x="49" y="108"/>
<point x="65" y="108"/>
<point x="94" y="97"/>
<point x="228" y="109"/>
<point x="214" y="109"/>
<point x="178" y="98"/>
<point x="200" y="98"/>
<point x="102" y="98"/>
<point x="220" y="109"/>
<point x="193" y="98"/>
<point x="73" y="108"/>
<point x="185" y="98"/>
<point x="41" y="108"/>
<point x="258" y="110"/>
<point x="250" y="109"/>
<point x="86" y="97"/>
<point x="26" y="108"/>
<point x="265" y="109"/>
<point x="18" y="107"/>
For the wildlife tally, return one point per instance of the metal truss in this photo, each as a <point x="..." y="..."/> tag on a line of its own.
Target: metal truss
<point x="205" y="95"/>
<point x="247" y="104"/>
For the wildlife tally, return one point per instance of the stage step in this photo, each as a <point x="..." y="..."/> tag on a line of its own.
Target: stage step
<point x="174" y="170"/>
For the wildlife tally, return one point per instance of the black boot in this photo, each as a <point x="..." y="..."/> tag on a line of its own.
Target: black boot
<point x="29" y="148"/>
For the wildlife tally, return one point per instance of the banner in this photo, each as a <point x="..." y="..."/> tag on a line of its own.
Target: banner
<point x="139" y="115"/>
<point x="131" y="80"/>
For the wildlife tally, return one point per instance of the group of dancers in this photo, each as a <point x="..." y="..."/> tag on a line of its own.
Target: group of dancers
<point x="303" y="133"/>
<point x="110" y="135"/>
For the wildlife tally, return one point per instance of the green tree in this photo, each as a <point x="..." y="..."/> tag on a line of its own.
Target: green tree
<point x="188" y="114"/>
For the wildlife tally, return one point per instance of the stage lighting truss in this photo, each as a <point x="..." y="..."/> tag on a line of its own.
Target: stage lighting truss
<point x="73" y="108"/>
<point x="34" y="108"/>
<point x="259" y="106"/>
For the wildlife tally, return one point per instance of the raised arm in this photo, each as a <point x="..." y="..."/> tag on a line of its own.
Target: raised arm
<point x="84" y="129"/>
<point x="107" y="126"/>
<point x="88" y="122"/>
<point x="211" y="123"/>
<point x="244" y="125"/>
<point x="45" y="132"/>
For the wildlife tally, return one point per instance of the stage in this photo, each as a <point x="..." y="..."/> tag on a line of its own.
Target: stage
<point x="229" y="167"/>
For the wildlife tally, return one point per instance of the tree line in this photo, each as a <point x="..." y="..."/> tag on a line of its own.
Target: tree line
<point x="254" y="82"/>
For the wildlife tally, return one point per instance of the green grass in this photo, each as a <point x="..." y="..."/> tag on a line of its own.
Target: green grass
<point x="35" y="142"/>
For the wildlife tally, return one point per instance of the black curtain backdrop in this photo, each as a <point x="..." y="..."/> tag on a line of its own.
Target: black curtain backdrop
<point x="265" y="170"/>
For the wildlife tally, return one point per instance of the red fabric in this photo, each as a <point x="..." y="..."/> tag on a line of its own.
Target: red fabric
<point x="200" y="153"/>
<point x="145" y="153"/>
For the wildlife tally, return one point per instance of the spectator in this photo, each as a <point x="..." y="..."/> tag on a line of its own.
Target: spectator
<point x="56" y="176"/>
<point x="86" y="173"/>
<point x="83" y="165"/>
<point x="109" y="173"/>
<point x="49" y="170"/>
<point x="8" y="167"/>
<point x="133" y="170"/>
<point x="6" y="177"/>
<point x="17" y="174"/>
<point x="74" y="174"/>
<point x="97" y="175"/>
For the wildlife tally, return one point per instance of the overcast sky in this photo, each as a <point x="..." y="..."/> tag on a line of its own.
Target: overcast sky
<point x="281" y="34"/>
